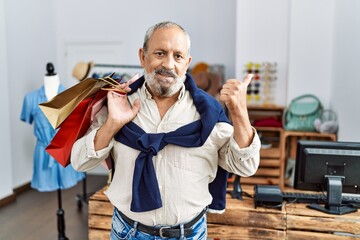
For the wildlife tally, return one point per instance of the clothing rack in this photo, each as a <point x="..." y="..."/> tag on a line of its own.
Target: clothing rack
<point x="117" y="66"/>
<point x="82" y="70"/>
<point x="60" y="218"/>
<point x="84" y="197"/>
<point x="124" y="72"/>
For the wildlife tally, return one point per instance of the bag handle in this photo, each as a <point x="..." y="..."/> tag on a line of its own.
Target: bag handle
<point x="109" y="80"/>
<point x="307" y="96"/>
<point x="330" y="112"/>
<point x="286" y="110"/>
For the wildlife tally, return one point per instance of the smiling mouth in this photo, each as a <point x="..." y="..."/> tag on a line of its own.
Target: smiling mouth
<point x="165" y="73"/>
<point x="165" y="78"/>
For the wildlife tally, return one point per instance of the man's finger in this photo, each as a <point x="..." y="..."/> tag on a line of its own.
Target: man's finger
<point x="133" y="79"/>
<point x="247" y="79"/>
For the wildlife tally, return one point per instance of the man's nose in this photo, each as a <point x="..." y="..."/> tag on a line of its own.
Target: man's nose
<point x="168" y="62"/>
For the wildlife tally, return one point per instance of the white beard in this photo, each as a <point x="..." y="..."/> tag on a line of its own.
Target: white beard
<point x="161" y="91"/>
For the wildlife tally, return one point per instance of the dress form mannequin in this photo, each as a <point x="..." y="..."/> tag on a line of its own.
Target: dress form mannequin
<point x="51" y="85"/>
<point x="48" y="175"/>
<point x="51" y="82"/>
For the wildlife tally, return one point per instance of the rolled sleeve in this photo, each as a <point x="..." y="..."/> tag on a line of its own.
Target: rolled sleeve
<point x="83" y="155"/>
<point x="243" y="161"/>
<point x="90" y="147"/>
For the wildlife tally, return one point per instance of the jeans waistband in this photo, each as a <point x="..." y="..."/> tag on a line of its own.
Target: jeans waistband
<point x="165" y="231"/>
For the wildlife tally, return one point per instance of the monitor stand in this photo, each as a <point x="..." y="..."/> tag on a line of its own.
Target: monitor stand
<point x="334" y="197"/>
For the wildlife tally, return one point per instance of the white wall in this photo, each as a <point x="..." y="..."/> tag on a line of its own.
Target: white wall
<point x="262" y="36"/>
<point x="298" y="35"/>
<point x="317" y="43"/>
<point x="6" y="181"/>
<point x="210" y="24"/>
<point x="323" y="58"/>
<point x="311" y="49"/>
<point x="345" y="84"/>
<point x="30" y="32"/>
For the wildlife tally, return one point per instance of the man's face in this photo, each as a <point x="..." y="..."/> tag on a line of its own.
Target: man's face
<point x="166" y="60"/>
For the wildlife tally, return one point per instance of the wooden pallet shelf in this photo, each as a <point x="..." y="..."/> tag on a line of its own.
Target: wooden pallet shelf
<point x="273" y="160"/>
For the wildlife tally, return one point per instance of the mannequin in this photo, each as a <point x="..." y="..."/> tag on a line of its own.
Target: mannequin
<point x="51" y="86"/>
<point x="48" y="175"/>
<point x="51" y="82"/>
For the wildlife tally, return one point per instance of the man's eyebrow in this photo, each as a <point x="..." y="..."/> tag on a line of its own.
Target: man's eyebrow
<point x="160" y="49"/>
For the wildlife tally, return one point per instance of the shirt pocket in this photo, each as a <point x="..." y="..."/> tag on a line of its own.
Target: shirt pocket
<point x="197" y="159"/>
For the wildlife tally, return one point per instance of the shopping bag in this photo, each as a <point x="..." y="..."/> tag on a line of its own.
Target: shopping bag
<point x="74" y="127"/>
<point x="59" y="108"/>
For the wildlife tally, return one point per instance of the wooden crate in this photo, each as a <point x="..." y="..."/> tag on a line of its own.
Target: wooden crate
<point x="100" y="216"/>
<point x="271" y="167"/>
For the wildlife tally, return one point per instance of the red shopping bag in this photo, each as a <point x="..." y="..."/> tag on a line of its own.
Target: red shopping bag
<point x="73" y="128"/>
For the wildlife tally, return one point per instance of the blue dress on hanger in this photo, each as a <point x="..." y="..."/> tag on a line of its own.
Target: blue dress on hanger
<point x="48" y="174"/>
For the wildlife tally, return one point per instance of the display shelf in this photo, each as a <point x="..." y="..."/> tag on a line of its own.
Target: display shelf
<point x="271" y="168"/>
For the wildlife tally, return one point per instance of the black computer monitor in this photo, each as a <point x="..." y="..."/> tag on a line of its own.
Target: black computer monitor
<point x="333" y="167"/>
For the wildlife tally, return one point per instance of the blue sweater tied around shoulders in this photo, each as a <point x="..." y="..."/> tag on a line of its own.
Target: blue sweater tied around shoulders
<point x="145" y="190"/>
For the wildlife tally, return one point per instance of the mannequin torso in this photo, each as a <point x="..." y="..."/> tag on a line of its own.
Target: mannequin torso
<point x="51" y="82"/>
<point x="51" y="85"/>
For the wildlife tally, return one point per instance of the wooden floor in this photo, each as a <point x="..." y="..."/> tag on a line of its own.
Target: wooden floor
<point x="32" y="216"/>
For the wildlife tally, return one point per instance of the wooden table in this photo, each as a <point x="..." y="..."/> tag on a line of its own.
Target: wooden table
<point x="242" y="220"/>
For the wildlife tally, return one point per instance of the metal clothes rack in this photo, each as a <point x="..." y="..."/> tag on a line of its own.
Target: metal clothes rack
<point x="117" y="66"/>
<point x="60" y="219"/>
<point x="84" y="197"/>
<point x="82" y="70"/>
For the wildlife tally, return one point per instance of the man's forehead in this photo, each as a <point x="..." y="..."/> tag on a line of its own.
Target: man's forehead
<point x="168" y="37"/>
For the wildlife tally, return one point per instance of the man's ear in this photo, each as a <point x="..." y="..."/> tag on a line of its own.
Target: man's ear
<point x="189" y="62"/>
<point x="142" y="56"/>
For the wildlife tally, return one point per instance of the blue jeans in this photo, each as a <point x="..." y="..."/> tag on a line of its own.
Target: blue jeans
<point x="121" y="230"/>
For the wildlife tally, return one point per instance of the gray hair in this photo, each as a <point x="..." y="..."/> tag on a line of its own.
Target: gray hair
<point x="165" y="24"/>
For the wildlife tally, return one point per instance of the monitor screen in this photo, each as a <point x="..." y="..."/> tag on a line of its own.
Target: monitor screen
<point x="331" y="167"/>
<point x="317" y="159"/>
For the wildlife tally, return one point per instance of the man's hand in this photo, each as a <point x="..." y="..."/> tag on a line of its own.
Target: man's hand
<point x="233" y="94"/>
<point x="119" y="113"/>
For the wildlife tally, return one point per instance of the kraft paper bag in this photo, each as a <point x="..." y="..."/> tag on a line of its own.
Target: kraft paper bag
<point x="74" y="127"/>
<point x="59" y="108"/>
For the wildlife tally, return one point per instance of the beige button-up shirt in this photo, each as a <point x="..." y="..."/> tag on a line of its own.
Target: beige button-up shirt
<point x="183" y="174"/>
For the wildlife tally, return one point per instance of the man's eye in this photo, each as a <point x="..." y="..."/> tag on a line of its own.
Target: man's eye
<point x="178" y="56"/>
<point x="159" y="53"/>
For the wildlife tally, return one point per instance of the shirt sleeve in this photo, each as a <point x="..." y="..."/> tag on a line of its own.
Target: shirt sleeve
<point x="26" y="112"/>
<point x="241" y="161"/>
<point x="83" y="154"/>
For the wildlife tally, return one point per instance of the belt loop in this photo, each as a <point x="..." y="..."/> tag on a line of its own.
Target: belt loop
<point x="182" y="237"/>
<point x="135" y="229"/>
